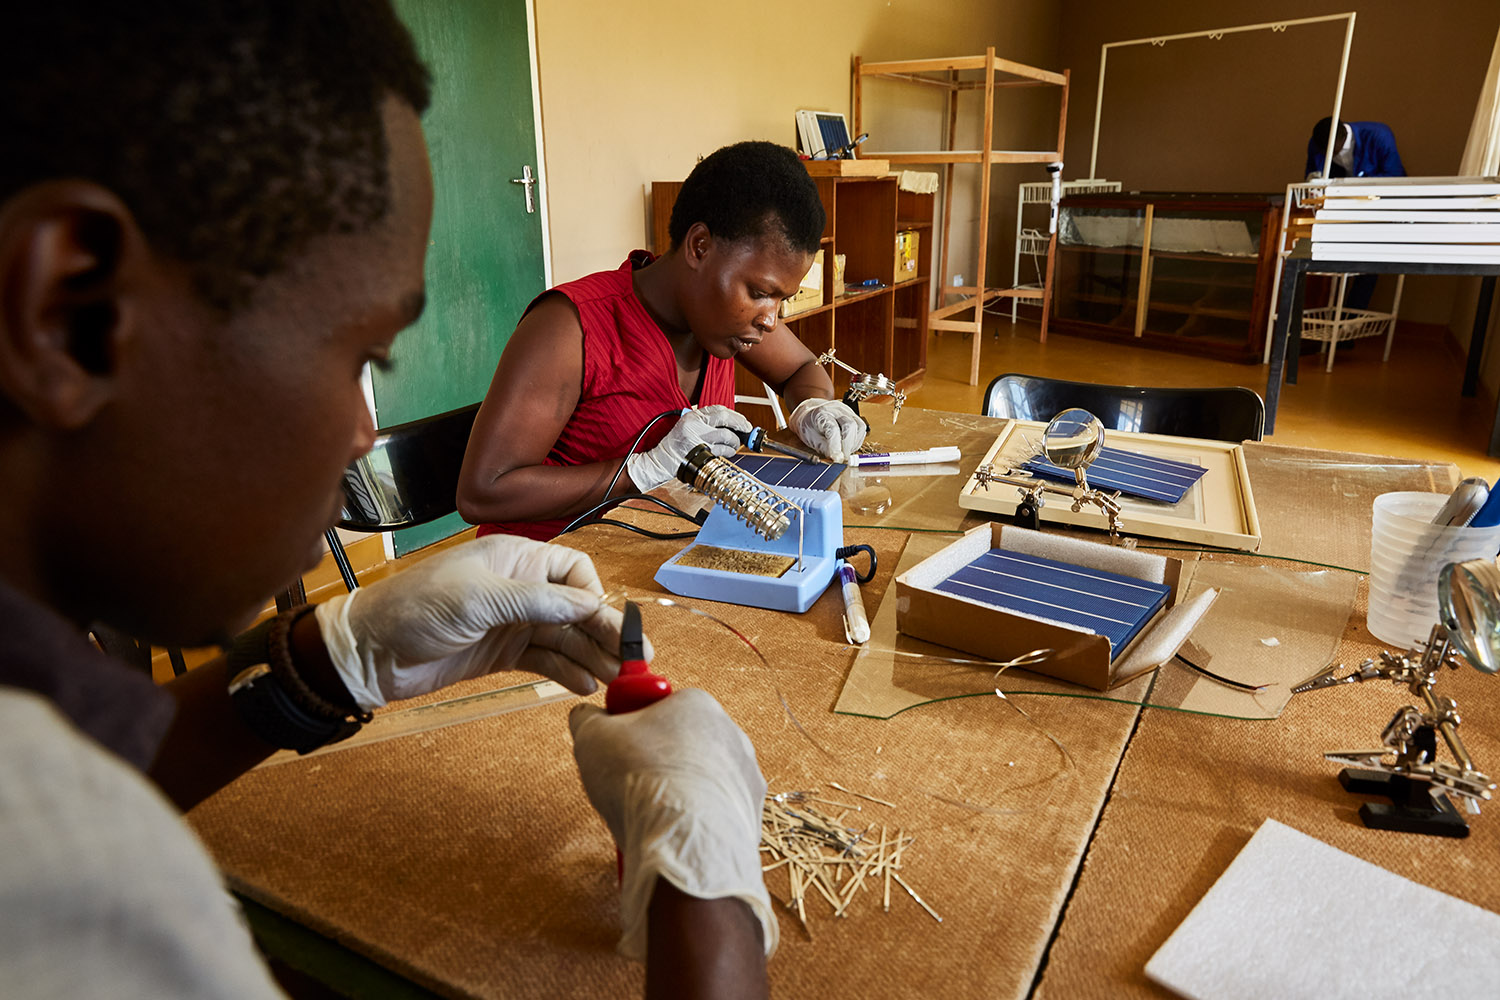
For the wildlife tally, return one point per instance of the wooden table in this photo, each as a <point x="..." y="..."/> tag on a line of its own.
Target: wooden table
<point x="468" y="861"/>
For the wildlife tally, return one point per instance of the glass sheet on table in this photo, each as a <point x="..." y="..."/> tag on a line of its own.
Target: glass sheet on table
<point x="922" y="497"/>
<point x="1272" y="627"/>
<point x="1303" y="612"/>
<point x="1316" y="506"/>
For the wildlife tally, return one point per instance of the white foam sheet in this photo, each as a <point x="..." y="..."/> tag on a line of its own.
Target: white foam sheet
<point x="1293" y="917"/>
<point x="1164" y="639"/>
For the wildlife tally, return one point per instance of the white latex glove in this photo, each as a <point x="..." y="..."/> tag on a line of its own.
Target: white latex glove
<point x="498" y="603"/>
<point x="679" y="787"/>
<point x="828" y="427"/>
<point x="710" y="425"/>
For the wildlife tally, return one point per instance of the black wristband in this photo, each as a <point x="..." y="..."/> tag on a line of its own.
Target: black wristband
<point x="272" y="700"/>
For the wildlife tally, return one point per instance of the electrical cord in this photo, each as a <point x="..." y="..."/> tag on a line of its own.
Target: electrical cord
<point x="636" y="444"/>
<point x="609" y="502"/>
<point x="848" y="550"/>
<point x="665" y="536"/>
<point x="605" y="505"/>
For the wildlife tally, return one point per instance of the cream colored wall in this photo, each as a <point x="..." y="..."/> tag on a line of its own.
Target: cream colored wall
<point x="633" y="93"/>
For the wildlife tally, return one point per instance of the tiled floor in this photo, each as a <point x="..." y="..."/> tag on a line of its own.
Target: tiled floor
<point x="1408" y="407"/>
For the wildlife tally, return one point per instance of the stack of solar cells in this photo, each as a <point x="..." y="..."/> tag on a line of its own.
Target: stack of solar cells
<point x="1130" y="472"/>
<point x="1108" y="604"/>
<point x="789" y="471"/>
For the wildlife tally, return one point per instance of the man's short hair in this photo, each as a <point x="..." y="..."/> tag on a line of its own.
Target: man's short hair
<point x="236" y="131"/>
<point x="751" y="190"/>
<point x="1320" y="134"/>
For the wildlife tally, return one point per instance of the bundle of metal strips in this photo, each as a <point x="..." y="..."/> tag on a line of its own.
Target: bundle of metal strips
<point x="823" y="857"/>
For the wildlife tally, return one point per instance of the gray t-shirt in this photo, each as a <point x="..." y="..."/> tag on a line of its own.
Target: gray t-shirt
<point x="104" y="891"/>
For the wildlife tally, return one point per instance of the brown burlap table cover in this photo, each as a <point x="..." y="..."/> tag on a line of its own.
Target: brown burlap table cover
<point x="468" y="859"/>
<point x="1193" y="789"/>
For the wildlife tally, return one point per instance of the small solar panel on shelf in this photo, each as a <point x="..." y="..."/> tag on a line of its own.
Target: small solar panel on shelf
<point x="1108" y="604"/>
<point x="789" y="471"/>
<point x="1130" y="472"/>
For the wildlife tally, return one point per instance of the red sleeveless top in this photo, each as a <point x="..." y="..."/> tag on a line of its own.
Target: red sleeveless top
<point x="629" y="376"/>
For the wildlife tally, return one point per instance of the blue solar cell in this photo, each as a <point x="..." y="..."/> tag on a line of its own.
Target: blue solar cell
<point x="1131" y="473"/>
<point x="1108" y="604"/>
<point x="789" y="471"/>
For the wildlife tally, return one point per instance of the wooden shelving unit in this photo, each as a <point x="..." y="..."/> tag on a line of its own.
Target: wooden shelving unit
<point x="995" y="73"/>
<point x="880" y="330"/>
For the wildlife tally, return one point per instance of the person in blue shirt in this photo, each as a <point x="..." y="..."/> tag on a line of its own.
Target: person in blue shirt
<point x="1362" y="149"/>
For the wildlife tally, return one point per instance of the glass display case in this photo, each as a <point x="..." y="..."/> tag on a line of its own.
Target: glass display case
<point x="1183" y="272"/>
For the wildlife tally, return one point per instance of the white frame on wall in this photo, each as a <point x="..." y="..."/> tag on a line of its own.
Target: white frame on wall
<point x="1216" y="34"/>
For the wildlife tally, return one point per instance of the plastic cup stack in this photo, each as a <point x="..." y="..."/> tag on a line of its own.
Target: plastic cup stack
<point x="1407" y="552"/>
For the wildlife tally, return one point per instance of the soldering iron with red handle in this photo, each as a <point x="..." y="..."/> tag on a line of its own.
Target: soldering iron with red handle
<point x="636" y="687"/>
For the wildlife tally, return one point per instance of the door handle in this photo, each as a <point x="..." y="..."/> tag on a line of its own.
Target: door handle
<point x="528" y="180"/>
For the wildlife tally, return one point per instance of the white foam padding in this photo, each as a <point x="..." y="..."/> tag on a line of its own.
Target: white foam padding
<point x="1166" y="637"/>
<point x="1081" y="552"/>
<point x="948" y="560"/>
<point x="1293" y="917"/>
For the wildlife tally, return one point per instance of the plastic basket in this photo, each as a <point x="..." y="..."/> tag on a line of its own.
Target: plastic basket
<point x="1321" y="324"/>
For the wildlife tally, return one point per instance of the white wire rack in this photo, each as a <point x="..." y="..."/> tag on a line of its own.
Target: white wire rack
<point x="1032" y="243"/>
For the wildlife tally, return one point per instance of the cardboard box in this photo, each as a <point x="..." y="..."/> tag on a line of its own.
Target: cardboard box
<point x="838" y="274"/>
<point x="908" y="241"/>
<point x="1077" y="656"/>
<point x="810" y="294"/>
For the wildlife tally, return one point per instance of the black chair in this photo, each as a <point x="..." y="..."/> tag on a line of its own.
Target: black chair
<point x="409" y="477"/>
<point x="132" y="651"/>
<point x="1223" y="414"/>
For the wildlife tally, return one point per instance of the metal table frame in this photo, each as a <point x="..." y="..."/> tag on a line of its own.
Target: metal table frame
<point x="1286" y="340"/>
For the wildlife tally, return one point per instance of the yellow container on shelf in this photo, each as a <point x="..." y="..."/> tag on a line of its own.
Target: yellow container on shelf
<point x="908" y="241"/>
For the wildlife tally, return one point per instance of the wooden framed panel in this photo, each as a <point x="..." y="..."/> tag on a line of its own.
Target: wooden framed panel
<point x="1218" y="510"/>
<point x="909" y="334"/>
<point x="1155" y="283"/>
<point x="814" y="330"/>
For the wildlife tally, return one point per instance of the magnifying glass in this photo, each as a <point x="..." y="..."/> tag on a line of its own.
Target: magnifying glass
<point x="1469" y="603"/>
<point x="1072" y="440"/>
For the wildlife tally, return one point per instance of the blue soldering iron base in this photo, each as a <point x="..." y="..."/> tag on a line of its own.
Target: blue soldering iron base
<point x="795" y="590"/>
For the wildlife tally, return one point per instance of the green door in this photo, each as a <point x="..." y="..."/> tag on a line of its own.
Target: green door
<point x="485" y="261"/>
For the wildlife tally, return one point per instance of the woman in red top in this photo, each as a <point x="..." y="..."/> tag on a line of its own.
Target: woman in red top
<point x="593" y="360"/>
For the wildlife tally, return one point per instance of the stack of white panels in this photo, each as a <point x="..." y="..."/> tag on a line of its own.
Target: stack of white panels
<point x="1439" y="220"/>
